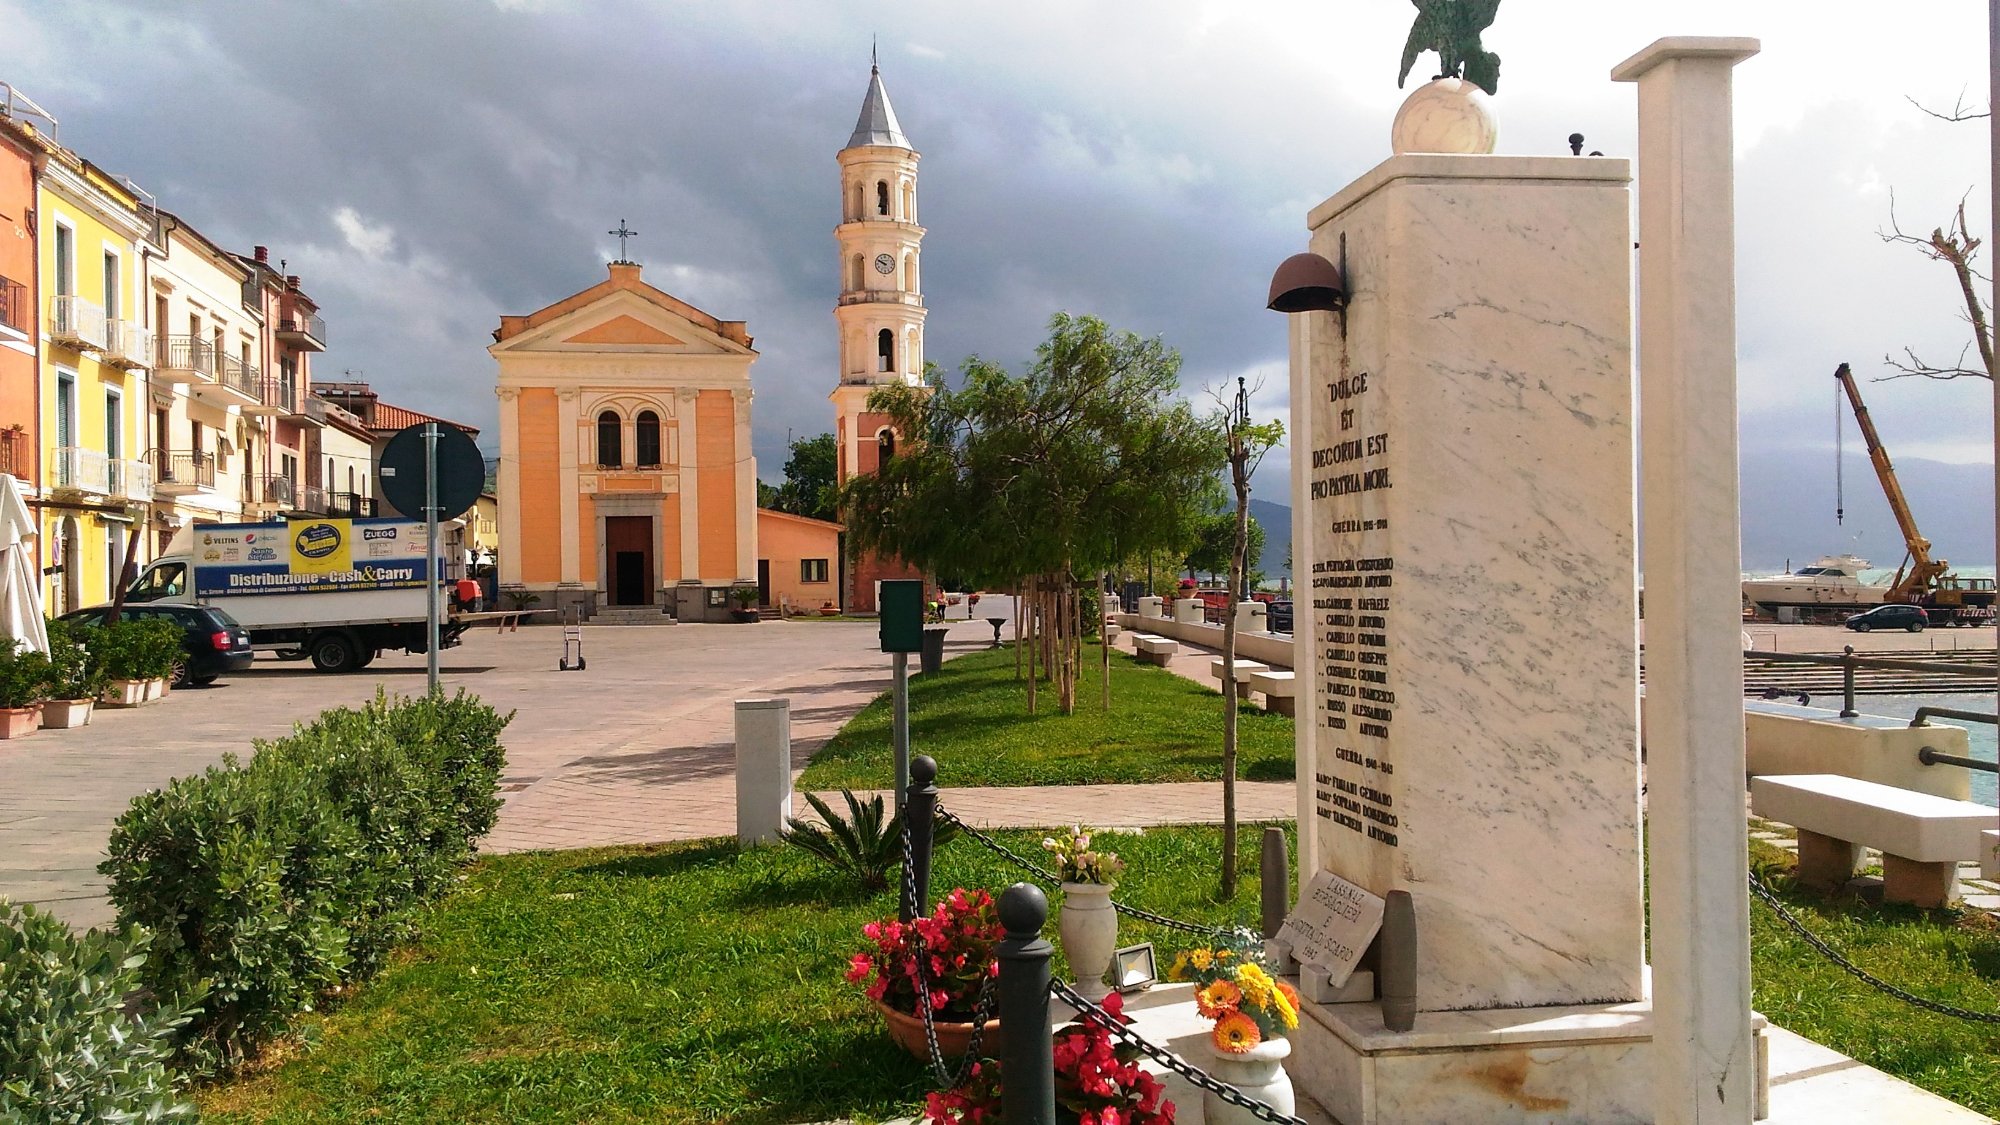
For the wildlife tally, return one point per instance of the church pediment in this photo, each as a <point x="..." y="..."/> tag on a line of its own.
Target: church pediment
<point x="624" y="330"/>
<point x="625" y="322"/>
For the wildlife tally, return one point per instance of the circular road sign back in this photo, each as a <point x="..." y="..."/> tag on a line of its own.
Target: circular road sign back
<point x="461" y="471"/>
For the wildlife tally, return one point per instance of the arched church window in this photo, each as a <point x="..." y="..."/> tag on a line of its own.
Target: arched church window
<point x="910" y="272"/>
<point x="881" y="197"/>
<point x="885" y="350"/>
<point x="885" y="447"/>
<point x="854" y="204"/>
<point x="909" y="202"/>
<point x="854" y="273"/>
<point x="646" y="440"/>
<point x="610" y="440"/>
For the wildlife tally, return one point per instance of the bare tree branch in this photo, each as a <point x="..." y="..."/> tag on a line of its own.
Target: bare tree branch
<point x="1959" y="110"/>
<point x="1956" y="246"/>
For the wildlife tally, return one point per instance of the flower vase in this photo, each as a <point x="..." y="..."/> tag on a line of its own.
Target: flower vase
<point x="1089" y="932"/>
<point x="1258" y="1073"/>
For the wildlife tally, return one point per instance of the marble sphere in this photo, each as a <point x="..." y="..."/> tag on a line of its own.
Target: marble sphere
<point x="1445" y="115"/>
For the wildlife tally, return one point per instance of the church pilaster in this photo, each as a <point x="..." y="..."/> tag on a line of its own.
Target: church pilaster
<point x="746" y="486"/>
<point x="690" y="478"/>
<point x="509" y="484"/>
<point x="567" y="453"/>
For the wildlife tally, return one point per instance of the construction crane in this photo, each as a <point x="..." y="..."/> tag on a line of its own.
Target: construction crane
<point x="1919" y="575"/>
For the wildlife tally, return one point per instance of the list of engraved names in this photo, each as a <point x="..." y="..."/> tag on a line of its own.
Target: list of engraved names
<point x="1353" y="595"/>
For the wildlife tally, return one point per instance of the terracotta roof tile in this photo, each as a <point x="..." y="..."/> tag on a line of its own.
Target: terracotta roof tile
<point x="389" y="419"/>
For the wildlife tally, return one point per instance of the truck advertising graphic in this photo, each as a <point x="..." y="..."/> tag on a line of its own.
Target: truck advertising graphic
<point x="304" y="556"/>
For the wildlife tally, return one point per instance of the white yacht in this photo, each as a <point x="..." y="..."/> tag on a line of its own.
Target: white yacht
<point x="1832" y="582"/>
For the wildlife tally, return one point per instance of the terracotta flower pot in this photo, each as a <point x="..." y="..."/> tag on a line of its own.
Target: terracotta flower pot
<point x="19" y="722"/>
<point x="953" y="1038"/>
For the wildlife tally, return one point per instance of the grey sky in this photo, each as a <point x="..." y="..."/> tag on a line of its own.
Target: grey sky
<point x="429" y="166"/>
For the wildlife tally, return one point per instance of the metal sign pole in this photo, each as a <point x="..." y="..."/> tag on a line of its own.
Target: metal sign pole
<point x="901" y="663"/>
<point x="431" y="551"/>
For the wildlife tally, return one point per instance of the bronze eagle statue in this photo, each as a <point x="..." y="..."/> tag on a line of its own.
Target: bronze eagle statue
<point x="1451" y="28"/>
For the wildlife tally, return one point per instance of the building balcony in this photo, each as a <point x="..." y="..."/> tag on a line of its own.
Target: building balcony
<point x="312" y="500"/>
<point x="276" y="395"/>
<point x="349" y="505"/>
<point x="16" y="454"/>
<point x="127" y="345"/>
<point x="132" y="480"/>
<point x="236" y="384"/>
<point x="16" y="313"/>
<point x="81" y="471"/>
<point x="76" y="323"/>
<point x="306" y="410"/>
<point x="181" y="474"/>
<point x="306" y="333"/>
<point x="184" y="359"/>
<point x="881" y="297"/>
<point x="273" y="490"/>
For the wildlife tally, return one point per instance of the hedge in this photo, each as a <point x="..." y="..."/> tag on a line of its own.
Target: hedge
<point x="269" y="883"/>
<point x="70" y="1050"/>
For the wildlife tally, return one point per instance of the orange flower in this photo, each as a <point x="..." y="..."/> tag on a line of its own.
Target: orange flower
<point x="1219" y="997"/>
<point x="1291" y="996"/>
<point x="1236" y="1033"/>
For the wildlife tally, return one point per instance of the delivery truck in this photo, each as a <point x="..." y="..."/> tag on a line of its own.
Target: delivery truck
<point x="336" y="591"/>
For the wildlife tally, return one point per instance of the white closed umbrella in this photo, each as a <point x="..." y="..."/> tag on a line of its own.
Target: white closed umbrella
<point x="21" y="588"/>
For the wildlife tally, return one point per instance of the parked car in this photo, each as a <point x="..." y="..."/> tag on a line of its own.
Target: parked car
<point x="1911" y="617"/>
<point x="215" y="644"/>
<point x="1278" y="617"/>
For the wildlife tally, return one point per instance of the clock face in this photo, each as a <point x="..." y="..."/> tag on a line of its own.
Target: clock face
<point x="884" y="264"/>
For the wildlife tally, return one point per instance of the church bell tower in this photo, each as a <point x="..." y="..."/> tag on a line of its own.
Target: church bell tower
<point x="881" y="306"/>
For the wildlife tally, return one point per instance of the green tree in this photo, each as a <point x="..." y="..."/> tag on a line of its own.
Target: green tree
<point x="1046" y="479"/>
<point x="811" y="485"/>
<point x="1247" y="443"/>
<point x="1217" y="545"/>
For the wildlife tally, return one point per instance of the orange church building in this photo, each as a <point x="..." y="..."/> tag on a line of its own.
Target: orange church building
<point x="626" y="481"/>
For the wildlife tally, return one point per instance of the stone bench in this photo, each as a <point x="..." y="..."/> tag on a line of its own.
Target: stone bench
<point x="1279" y="688"/>
<point x="1111" y="630"/>
<point x="1155" y="650"/>
<point x="1244" y="670"/>
<point x="1921" y="837"/>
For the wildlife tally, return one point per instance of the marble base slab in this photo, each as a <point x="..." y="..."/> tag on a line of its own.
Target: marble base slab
<point x="1583" y="1064"/>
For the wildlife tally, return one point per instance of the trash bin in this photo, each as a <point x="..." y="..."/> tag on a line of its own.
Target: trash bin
<point x="933" y="653"/>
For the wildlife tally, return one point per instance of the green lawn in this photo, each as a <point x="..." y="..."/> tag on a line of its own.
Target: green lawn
<point x="688" y="982"/>
<point x="972" y="717"/>
<point x="1951" y="956"/>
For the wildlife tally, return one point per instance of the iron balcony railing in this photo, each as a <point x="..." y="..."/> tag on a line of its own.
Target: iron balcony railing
<point x="196" y="468"/>
<point x="15" y="311"/>
<point x="312" y="499"/>
<point x="75" y="321"/>
<point x="350" y="505"/>
<point x="237" y="375"/>
<point x="14" y="455"/>
<point x="273" y="489"/>
<point x="187" y="353"/>
<point x="281" y="392"/>
<point x="309" y="326"/>
<point x="127" y="344"/>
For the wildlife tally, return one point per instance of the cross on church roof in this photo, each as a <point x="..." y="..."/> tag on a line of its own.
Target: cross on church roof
<point x="623" y="234"/>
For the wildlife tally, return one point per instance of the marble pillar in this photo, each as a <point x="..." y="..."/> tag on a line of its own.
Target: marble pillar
<point x="1705" y="1057"/>
<point x="1470" y="572"/>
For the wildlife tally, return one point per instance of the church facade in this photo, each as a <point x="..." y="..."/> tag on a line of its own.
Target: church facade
<point x="880" y="312"/>
<point x="626" y="482"/>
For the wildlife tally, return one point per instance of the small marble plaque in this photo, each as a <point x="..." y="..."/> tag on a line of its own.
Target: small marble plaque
<point x="1332" y="926"/>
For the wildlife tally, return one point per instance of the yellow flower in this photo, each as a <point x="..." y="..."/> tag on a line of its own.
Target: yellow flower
<point x="1288" y="1013"/>
<point x="1256" y="984"/>
<point x="1179" y="969"/>
<point x="1236" y="1033"/>
<point x="1290" y="1008"/>
<point x="1200" y="959"/>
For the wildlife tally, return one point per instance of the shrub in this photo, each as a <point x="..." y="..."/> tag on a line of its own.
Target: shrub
<point x="76" y="671"/>
<point x="279" y="879"/>
<point x="24" y="675"/>
<point x="69" y="1048"/>
<point x="140" y="650"/>
<point x="866" y="844"/>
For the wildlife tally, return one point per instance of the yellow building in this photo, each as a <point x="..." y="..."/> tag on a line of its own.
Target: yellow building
<point x="485" y="528"/>
<point x="95" y="349"/>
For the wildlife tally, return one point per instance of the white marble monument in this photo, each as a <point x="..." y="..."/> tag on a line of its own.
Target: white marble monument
<point x="1467" y="623"/>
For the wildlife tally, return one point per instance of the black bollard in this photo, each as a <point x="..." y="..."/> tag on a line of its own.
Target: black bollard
<point x="1276" y="882"/>
<point x="1847" y="710"/>
<point x="920" y="813"/>
<point x="1028" y="1060"/>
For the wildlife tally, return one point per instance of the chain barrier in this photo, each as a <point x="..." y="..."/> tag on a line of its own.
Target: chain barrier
<point x="1052" y="879"/>
<point x="982" y="1009"/>
<point x="1770" y="899"/>
<point x="1168" y="1059"/>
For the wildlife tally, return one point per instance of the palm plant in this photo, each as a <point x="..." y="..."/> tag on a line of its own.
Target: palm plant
<point x="867" y="843"/>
